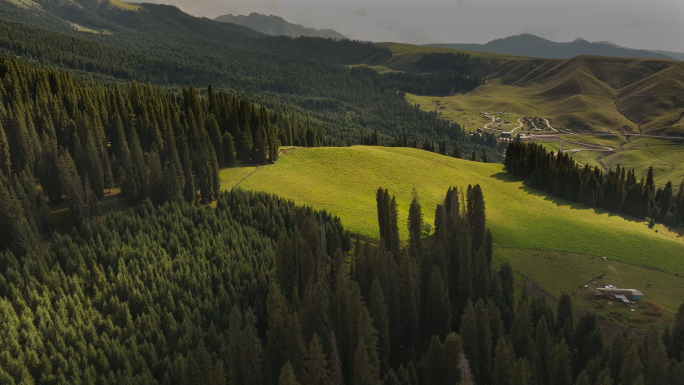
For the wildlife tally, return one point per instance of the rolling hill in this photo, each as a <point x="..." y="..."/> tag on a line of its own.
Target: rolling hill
<point x="534" y="46"/>
<point x="166" y="47"/>
<point x="582" y="94"/>
<point x="525" y="223"/>
<point x="277" y="26"/>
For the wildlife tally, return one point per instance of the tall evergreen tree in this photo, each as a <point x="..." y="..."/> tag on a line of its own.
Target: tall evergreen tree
<point x="632" y="368"/>
<point x="439" y="308"/>
<point x="72" y="187"/>
<point x="378" y="312"/>
<point x="316" y="371"/>
<point x="521" y="373"/>
<point x="503" y="367"/>
<point x="5" y="159"/>
<point x="415" y="227"/>
<point x="287" y="375"/>
<point x="561" y="369"/>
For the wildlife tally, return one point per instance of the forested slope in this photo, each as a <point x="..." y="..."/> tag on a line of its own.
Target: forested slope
<point x="162" y="45"/>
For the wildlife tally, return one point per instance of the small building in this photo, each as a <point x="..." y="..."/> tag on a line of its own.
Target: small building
<point x="505" y="134"/>
<point x="611" y="292"/>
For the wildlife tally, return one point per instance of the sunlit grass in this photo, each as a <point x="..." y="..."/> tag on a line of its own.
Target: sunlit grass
<point x="344" y="180"/>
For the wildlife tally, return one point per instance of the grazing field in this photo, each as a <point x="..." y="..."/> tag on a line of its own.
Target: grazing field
<point x="344" y="180"/>
<point x="558" y="272"/>
<point x="582" y="94"/>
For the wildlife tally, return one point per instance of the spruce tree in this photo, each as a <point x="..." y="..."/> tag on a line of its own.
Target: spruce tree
<point x="503" y="367"/>
<point x="378" y="312"/>
<point x="394" y="227"/>
<point x="583" y="378"/>
<point x="72" y="187"/>
<point x="465" y="285"/>
<point x="364" y="371"/>
<point x="452" y="351"/>
<point x="287" y="375"/>
<point x="481" y="277"/>
<point x="543" y="349"/>
<point x="415" y="227"/>
<point x="316" y="370"/>
<point x="632" y="367"/>
<point x="439" y="308"/>
<point x="506" y="306"/>
<point x="410" y="295"/>
<point x="278" y="328"/>
<point x="678" y="334"/>
<point x="5" y="159"/>
<point x="521" y="373"/>
<point x="564" y="312"/>
<point x="470" y="336"/>
<point x="656" y="361"/>
<point x="369" y="336"/>
<point x="229" y="155"/>
<point x="17" y="234"/>
<point x="521" y="333"/>
<point x="436" y="364"/>
<point x="561" y="369"/>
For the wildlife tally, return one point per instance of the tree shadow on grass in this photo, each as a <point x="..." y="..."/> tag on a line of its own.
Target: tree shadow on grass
<point x="679" y="230"/>
<point x="505" y="177"/>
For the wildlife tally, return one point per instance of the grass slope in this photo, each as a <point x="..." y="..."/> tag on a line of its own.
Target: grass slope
<point x="585" y="93"/>
<point x="344" y="180"/>
<point x="545" y="239"/>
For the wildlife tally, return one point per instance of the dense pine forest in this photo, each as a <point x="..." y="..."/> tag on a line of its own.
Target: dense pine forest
<point x="259" y="291"/>
<point x="194" y="285"/>
<point x="303" y="75"/>
<point x="615" y="190"/>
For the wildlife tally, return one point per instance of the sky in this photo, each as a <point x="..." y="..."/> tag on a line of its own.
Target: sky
<point x="644" y="24"/>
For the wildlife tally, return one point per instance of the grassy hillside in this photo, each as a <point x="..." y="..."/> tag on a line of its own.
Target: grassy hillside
<point x="343" y="181"/>
<point x="585" y="93"/>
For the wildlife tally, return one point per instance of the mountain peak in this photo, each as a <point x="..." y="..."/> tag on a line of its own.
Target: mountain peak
<point x="530" y="45"/>
<point x="277" y="26"/>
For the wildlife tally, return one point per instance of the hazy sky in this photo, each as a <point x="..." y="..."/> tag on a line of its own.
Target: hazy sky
<point x="649" y="24"/>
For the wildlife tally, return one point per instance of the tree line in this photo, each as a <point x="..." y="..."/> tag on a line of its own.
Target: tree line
<point x="445" y="61"/>
<point x="616" y="190"/>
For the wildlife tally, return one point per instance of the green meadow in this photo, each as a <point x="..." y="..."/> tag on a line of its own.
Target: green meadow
<point x="344" y="181"/>
<point x="547" y="240"/>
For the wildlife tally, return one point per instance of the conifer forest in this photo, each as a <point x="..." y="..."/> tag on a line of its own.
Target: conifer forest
<point x="187" y="282"/>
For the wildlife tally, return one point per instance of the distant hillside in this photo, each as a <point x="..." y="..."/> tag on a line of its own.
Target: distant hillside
<point x="674" y="55"/>
<point x="277" y="26"/>
<point x="534" y="46"/>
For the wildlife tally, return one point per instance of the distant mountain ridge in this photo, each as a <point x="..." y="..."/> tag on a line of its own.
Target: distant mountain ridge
<point x="534" y="46"/>
<point x="277" y="26"/>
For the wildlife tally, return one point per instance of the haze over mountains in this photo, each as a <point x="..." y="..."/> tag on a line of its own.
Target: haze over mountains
<point x="277" y="26"/>
<point x="534" y="46"/>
